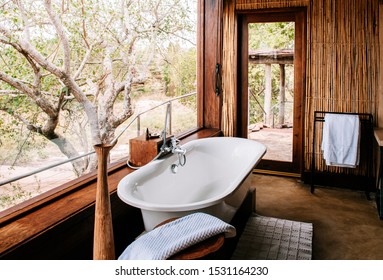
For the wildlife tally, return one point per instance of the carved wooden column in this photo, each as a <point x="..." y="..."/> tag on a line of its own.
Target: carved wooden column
<point x="103" y="242"/>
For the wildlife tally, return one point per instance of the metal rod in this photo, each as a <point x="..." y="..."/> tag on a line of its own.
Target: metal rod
<point x="138" y="125"/>
<point x="319" y="116"/>
<point x="152" y="108"/>
<point x="170" y="118"/>
<point x="43" y="169"/>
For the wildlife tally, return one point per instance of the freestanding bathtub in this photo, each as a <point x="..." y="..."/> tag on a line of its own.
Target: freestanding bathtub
<point x="214" y="174"/>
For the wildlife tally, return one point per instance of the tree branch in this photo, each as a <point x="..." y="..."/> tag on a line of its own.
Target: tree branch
<point x="60" y="32"/>
<point x="127" y="110"/>
<point x="83" y="62"/>
<point x="68" y="81"/>
<point x="43" y="103"/>
<point x="84" y="33"/>
<point x="25" y="20"/>
<point x="48" y="131"/>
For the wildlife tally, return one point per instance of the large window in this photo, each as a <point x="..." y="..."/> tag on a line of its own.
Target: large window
<point x="76" y="73"/>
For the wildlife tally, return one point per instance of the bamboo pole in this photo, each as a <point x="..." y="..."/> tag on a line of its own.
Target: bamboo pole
<point x="267" y="4"/>
<point x="229" y="69"/>
<point x="103" y="242"/>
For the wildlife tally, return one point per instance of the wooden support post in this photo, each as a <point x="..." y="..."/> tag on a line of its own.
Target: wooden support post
<point x="380" y="89"/>
<point x="282" y="93"/>
<point x="103" y="242"/>
<point x="268" y="94"/>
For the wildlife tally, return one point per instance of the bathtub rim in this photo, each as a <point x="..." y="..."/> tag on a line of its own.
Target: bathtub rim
<point x="151" y="206"/>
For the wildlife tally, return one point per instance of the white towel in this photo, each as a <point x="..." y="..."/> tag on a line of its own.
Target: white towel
<point x="340" y="142"/>
<point x="168" y="239"/>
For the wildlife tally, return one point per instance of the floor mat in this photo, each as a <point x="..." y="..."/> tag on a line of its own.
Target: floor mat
<point x="266" y="238"/>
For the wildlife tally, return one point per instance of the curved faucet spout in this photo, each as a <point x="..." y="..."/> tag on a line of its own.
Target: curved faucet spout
<point x="173" y="146"/>
<point x="179" y="151"/>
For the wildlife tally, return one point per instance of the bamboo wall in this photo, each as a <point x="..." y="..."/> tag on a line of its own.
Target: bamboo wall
<point x="343" y="68"/>
<point x="268" y="4"/>
<point x="229" y="66"/>
<point x="342" y="60"/>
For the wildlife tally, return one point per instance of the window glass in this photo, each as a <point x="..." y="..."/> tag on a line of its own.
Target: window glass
<point x="75" y="73"/>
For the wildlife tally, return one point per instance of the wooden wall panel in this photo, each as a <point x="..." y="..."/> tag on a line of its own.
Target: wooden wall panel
<point x="212" y="54"/>
<point x="380" y="101"/>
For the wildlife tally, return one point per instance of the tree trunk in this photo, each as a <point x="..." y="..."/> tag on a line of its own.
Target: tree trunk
<point x="68" y="150"/>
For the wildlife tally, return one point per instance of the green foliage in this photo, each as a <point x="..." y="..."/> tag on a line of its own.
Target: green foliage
<point x="138" y="33"/>
<point x="271" y="36"/>
<point x="268" y="36"/>
<point x="16" y="193"/>
<point x="179" y="72"/>
<point x="15" y="196"/>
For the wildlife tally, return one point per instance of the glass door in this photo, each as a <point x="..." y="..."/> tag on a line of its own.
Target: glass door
<point x="272" y="86"/>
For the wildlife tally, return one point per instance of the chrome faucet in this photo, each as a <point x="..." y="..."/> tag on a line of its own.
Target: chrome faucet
<point x="173" y="146"/>
<point x="175" y="149"/>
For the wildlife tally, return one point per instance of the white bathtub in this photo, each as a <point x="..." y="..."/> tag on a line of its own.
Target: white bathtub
<point x="211" y="180"/>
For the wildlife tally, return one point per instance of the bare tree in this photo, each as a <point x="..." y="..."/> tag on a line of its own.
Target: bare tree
<point x="59" y="53"/>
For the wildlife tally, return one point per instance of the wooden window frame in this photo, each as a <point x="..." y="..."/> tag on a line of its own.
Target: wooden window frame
<point x="31" y="219"/>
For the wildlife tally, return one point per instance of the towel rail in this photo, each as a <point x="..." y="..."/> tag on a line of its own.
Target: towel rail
<point x="366" y="121"/>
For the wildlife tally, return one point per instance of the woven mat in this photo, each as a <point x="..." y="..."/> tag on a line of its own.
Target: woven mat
<point x="266" y="238"/>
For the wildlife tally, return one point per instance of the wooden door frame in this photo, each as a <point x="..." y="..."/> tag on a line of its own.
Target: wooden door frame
<point x="298" y="15"/>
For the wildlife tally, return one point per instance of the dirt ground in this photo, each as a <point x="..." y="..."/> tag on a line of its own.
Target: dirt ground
<point x="277" y="141"/>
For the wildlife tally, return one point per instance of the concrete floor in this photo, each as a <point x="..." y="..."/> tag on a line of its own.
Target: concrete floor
<point x="346" y="225"/>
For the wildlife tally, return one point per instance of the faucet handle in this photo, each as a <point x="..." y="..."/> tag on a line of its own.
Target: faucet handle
<point x="175" y="141"/>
